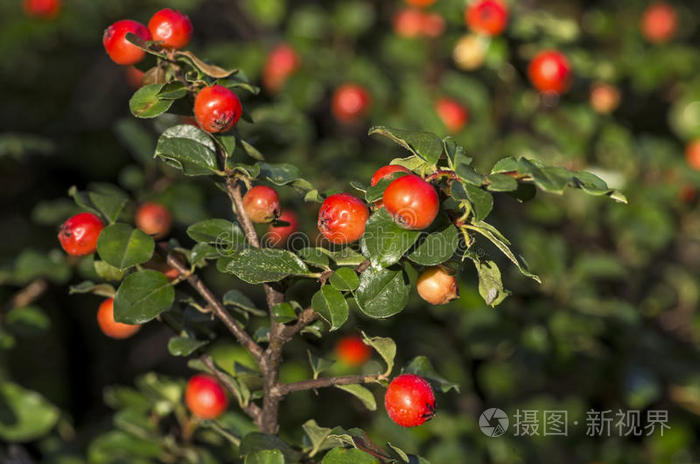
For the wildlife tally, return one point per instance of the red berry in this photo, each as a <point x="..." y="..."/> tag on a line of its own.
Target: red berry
<point x="78" y="235"/>
<point x="261" y="204"/>
<point x="409" y="400"/>
<point x="437" y="286"/>
<point x="352" y="351"/>
<point x="412" y="202"/>
<point x="386" y="171"/>
<point x="154" y="219"/>
<point x="433" y="25"/>
<point x="350" y="102"/>
<point x="604" y="98"/>
<point x="659" y="22"/>
<point x="118" y="48"/>
<point x="217" y="109"/>
<point x="281" y="63"/>
<point x="420" y="3"/>
<point x="171" y="28"/>
<point x="692" y="154"/>
<point x="110" y="327"/>
<point x="454" y="116"/>
<point x="488" y="17"/>
<point x="45" y="9"/>
<point x="409" y="23"/>
<point x="342" y="218"/>
<point x="205" y="397"/>
<point x="277" y="235"/>
<point x="550" y="72"/>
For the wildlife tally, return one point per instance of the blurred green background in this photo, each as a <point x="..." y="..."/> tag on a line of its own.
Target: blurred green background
<point x="615" y="324"/>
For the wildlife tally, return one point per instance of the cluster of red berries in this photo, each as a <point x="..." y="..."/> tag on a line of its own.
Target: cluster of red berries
<point x="78" y="234"/>
<point x="170" y="28"/>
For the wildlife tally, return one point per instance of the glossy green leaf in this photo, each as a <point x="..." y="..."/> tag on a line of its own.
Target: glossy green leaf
<point x="382" y="293"/>
<point x="187" y="148"/>
<point x="284" y="174"/>
<point x="386" y="347"/>
<point x="438" y="245"/>
<point x="256" y="441"/>
<point x="330" y="304"/>
<point x="314" y="257"/>
<point x="345" y="279"/>
<point x="318" y="364"/>
<point x="424" y="144"/>
<point x="146" y="103"/>
<point x="184" y="345"/>
<point x="384" y="241"/>
<point x="105" y="290"/>
<point x="142" y="296"/>
<point x="122" y="246"/>
<point x="240" y="300"/>
<point x="259" y="265"/>
<point x="480" y="200"/>
<point x="224" y="235"/>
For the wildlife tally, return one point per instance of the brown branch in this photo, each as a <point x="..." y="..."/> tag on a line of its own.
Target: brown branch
<point x="29" y="294"/>
<point x="218" y="308"/>
<point x="252" y="409"/>
<point x="312" y="384"/>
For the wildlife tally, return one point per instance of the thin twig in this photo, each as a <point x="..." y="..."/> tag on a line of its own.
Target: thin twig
<point x="218" y="308"/>
<point x="312" y="384"/>
<point x="29" y="294"/>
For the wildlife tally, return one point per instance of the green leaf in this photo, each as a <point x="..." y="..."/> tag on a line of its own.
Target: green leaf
<point x="105" y="290"/>
<point x="173" y="90"/>
<point x="438" y="245"/>
<point x="386" y="347"/>
<point x="25" y="415"/>
<point x="238" y="299"/>
<point x="490" y="284"/>
<point x="480" y="200"/>
<point x="362" y="393"/>
<point x="382" y="293"/>
<point x="345" y="279"/>
<point x="26" y="321"/>
<point x="110" y="204"/>
<point x="344" y="257"/>
<point x="348" y="456"/>
<point x="257" y="441"/>
<point x="146" y="103"/>
<point x="224" y="235"/>
<point x="142" y="296"/>
<point x="283" y="313"/>
<point x="424" y="144"/>
<point x="188" y="148"/>
<point x="184" y="345"/>
<point x="491" y="233"/>
<point x="122" y="246"/>
<point x="265" y="457"/>
<point x="251" y="150"/>
<point x="384" y="241"/>
<point x="501" y="183"/>
<point x="315" y="257"/>
<point x="318" y="365"/>
<point x="330" y="304"/>
<point x="260" y="265"/>
<point x="284" y="174"/>
<point x="554" y="179"/>
<point x="108" y="272"/>
<point x="420" y="365"/>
